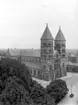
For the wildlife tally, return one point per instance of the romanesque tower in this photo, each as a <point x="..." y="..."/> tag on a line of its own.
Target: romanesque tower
<point x="60" y="47"/>
<point x="60" y="43"/>
<point x="47" y="44"/>
<point x="47" y="49"/>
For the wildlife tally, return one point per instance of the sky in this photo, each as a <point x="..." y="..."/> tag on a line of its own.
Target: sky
<point x="22" y="22"/>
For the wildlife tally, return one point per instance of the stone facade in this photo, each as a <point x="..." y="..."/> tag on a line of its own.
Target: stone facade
<point x="52" y="61"/>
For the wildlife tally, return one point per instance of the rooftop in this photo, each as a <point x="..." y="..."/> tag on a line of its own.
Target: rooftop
<point x="60" y="36"/>
<point x="47" y="33"/>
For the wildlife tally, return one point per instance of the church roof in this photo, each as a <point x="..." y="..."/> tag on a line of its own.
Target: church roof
<point x="47" y="34"/>
<point x="60" y="35"/>
<point x="25" y="52"/>
<point x="33" y="65"/>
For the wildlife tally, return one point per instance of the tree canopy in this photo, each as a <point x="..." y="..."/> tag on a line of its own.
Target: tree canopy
<point x="57" y="89"/>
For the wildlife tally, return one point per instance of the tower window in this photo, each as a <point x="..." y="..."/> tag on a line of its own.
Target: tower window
<point x="63" y="50"/>
<point x="57" y="46"/>
<point x="63" y="55"/>
<point x="49" y="44"/>
<point x="44" y="44"/>
<point x="59" y="51"/>
<point x="63" y="45"/>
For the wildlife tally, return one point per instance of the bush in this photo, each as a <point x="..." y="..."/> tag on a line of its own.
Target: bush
<point x="15" y="81"/>
<point x="57" y="89"/>
<point x="14" y="94"/>
<point x="39" y="95"/>
<point x="11" y="67"/>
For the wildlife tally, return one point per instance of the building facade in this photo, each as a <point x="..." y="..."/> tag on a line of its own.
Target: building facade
<point x="53" y="54"/>
<point x="51" y="64"/>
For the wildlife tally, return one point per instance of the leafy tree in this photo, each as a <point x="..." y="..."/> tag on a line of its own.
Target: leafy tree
<point x="39" y="95"/>
<point x="10" y="68"/>
<point x="14" y="94"/>
<point x="57" y="89"/>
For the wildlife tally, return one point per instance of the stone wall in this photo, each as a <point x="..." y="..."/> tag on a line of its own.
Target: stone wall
<point x="29" y="59"/>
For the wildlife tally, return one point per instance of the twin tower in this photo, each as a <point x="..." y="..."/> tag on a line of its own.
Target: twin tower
<point x="49" y="46"/>
<point x="53" y="53"/>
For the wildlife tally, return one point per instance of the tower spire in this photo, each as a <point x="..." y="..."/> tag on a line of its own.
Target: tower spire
<point x="47" y="33"/>
<point x="59" y="27"/>
<point x="46" y="24"/>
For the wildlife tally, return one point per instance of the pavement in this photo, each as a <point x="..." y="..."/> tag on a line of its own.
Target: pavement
<point x="71" y="80"/>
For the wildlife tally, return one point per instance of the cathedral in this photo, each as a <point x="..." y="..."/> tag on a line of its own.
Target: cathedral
<point x="53" y="54"/>
<point x="51" y="63"/>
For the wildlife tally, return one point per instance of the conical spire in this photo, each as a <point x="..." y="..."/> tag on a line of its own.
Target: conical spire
<point x="47" y="34"/>
<point x="60" y="35"/>
<point x="46" y="24"/>
<point x="59" y="27"/>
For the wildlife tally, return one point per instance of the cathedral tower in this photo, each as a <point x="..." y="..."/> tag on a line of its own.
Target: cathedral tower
<point x="47" y="44"/>
<point x="60" y="43"/>
<point x="60" y="47"/>
<point x="47" y="49"/>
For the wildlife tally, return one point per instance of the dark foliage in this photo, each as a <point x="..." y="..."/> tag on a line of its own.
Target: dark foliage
<point x="39" y="95"/>
<point x="14" y="94"/>
<point x="10" y="68"/>
<point x="15" y="81"/>
<point x="57" y="89"/>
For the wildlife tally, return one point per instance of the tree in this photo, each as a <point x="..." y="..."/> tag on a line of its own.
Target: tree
<point x="11" y="67"/>
<point x="15" y="81"/>
<point x="57" y="89"/>
<point x="14" y="94"/>
<point x="39" y="95"/>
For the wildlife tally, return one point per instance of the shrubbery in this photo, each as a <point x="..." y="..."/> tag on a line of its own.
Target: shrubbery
<point x="14" y="82"/>
<point x="14" y="94"/>
<point x="57" y="89"/>
<point x="40" y="96"/>
<point x="10" y="68"/>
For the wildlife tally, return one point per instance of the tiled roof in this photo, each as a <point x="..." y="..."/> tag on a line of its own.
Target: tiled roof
<point x="47" y="34"/>
<point x="32" y="64"/>
<point x="60" y="36"/>
<point x="26" y="52"/>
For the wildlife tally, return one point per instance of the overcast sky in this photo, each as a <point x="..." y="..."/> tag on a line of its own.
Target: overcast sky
<point x="22" y="22"/>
